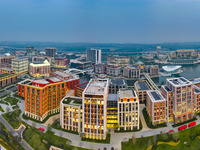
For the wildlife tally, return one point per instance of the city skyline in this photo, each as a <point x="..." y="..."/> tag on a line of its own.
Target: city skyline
<point x="105" y="21"/>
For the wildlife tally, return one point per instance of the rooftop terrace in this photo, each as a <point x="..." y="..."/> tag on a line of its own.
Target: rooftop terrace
<point x="96" y="87"/>
<point x="126" y="93"/>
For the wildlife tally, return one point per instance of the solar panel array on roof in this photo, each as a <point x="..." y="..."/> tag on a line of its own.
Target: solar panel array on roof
<point x="167" y="88"/>
<point x="182" y="79"/>
<point x="142" y="86"/>
<point x="156" y="96"/>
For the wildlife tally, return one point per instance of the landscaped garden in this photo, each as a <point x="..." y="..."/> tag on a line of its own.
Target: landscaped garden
<point x="184" y="140"/>
<point x="11" y="100"/>
<point x="7" y="140"/>
<point x="13" y="118"/>
<point x="42" y="141"/>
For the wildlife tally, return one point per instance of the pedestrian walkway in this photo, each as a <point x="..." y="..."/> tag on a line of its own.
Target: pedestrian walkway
<point x="144" y="125"/>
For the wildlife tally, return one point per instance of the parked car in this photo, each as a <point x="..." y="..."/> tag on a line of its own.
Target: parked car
<point x="171" y="131"/>
<point x="41" y="129"/>
<point x="192" y="124"/>
<point x="182" y="127"/>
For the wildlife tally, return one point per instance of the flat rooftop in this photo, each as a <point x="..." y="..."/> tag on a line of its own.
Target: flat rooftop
<point x="96" y="87"/>
<point x="72" y="100"/>
<point x="179" y="81"/>
<point x="155" y="96"/>
<point x="166" y="88"/>
<point x="41" y="81"/>
<point x="62" y="74"/>
<point x="142" y="86"/>
<point x="19" y="58"/>
<point x="119" y="81"/>
<point x="196" y="89"/>
<point x="7" y="69"/>
<point x="112" y="97"/>
<point x="54" y="79"/>
<point x="126" y="93"/>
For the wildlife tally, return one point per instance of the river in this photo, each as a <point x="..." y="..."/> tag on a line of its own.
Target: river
<point x="189" y="72"/>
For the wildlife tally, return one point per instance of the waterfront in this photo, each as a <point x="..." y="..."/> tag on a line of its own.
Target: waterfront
<point x="189" y="72"/>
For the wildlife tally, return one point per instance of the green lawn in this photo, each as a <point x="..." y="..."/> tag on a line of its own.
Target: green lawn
<point x="2" y="102"/>
<point x="1" y="109"/>
<point x="43" y="141"/>
<point x="15" y="95"/>
<point x="13" y="118"/>
<point x="189" y="136"/>
<point x="11" y="100"/>
<point x="56" y="125"/>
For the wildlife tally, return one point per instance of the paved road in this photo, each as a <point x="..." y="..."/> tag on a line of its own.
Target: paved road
<point x="24" y="144"/>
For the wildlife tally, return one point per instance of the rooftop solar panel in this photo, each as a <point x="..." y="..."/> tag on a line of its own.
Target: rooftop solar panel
<point x="156" y="96"/>
<point x="142" y="86"/>
<point x="182" y="79"/>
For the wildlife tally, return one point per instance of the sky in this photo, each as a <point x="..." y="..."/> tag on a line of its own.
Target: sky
<point x="100" y="21"/>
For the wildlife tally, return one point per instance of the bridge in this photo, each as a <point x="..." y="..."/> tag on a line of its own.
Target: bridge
<point x="75" y="71"/>
<point x="153" y="85"/>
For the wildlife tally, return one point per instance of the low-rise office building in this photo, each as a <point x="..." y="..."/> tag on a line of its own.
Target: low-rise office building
<point x="197" y="99"/>
<point x="116" y="84"/>
<point x="20" y="65"/>
<point x="61" y="63"/>
<point x="100" y="68"/>
<point x="80" y="88"/>
<point x="118" y="60"/>
<point x="70" y="113"/>
<point x="156" y="107"/>
<point x="113" y="70"/>
<point x="7" y="77"/>
<point x="132" y="72"/>
<point x="141" y="88"/>
<point x="128" y="110"/>
<point x="39" y="69"/>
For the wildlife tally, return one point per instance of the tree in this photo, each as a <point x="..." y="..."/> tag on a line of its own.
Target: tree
<point x="133" y="139"/>
<point x="175" y="136"/>
<point x="7" y="109"/>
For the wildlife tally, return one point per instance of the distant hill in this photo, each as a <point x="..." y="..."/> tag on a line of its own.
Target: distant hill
<point x="106" y="47"/>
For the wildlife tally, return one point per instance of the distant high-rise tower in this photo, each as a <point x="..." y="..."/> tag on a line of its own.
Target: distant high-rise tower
<point x="94" y="55"/>
<point x="51" y="52"/>
<point x="31" y="51"/>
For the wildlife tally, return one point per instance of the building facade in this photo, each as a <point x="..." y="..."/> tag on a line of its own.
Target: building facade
<point x="116" y="84"/>
<point x="20" y="65"/>
<point x="94" y="55"/>
<point x="132" y="72"/>
<point x="39" y="70"/>
<point x="118" y="60"/>
<point x="70" y="113"/>
<point x="61" y="63"/>
<point x="156" y="107"/>
<point x="50" y="52"/>
<point x="94" y="120"/>
<point x="128" y="110"/>
<point x="7" y="77"/>
<point x="183" y="98"/>
<point x="141" y="88"/>
<point x="113" y="70"/>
